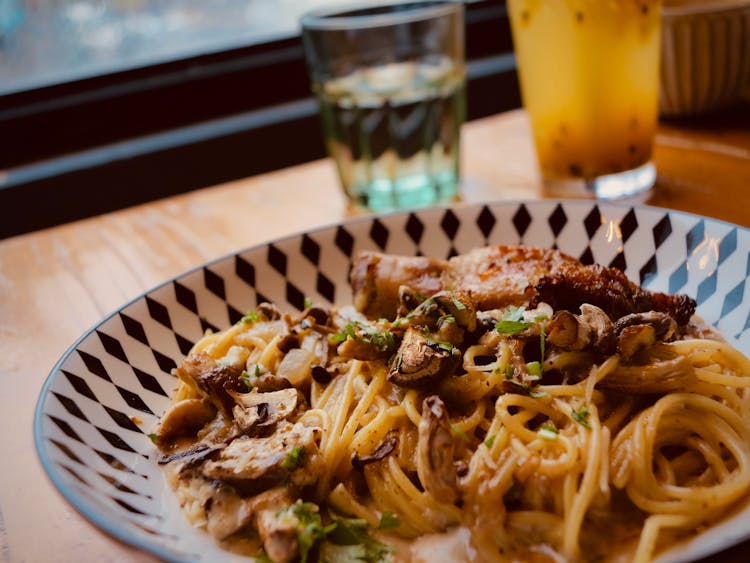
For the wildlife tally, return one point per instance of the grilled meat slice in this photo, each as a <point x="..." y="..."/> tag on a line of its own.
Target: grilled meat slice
<point x="498" y="276"/>
<point x="610" y="290"/>
<point x="376" y="277"/>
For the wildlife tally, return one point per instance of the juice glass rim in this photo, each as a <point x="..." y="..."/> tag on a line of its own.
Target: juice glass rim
<point x="374" y="15"/>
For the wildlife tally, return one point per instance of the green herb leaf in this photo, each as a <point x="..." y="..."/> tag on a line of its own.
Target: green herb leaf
<point x="538" y="394"/>
<point x="446" y="319"/>
<point x="250" y="317"/>
<point x="307" y="303"/>
<point x="154" y="437"/>
<point x="547" y="434"/>
<point x="457" y="304"/>
<point x="388" y="521"/>
<point x="490" y="440"/>
<point x="535" y="369"/>
<point x="513" y="313"/>
<point x="511" y="327"/>
<point x="581" y="416"/>
<point x="262" y="557"/>
<point x="551" y="427"/>
<point x="353" y="533"/>
<point x="294" y="458"/>
<point x="310" y="529"/>
<point x="509" y="372"/>
<point x="247" y="379"/>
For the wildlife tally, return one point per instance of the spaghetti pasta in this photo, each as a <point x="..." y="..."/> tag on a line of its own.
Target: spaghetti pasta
<point x="535" y="443"/>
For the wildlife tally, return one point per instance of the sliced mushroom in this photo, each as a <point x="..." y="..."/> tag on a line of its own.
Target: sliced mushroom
<point x="381" y="452"/>
<point x="227" y="513"/>
<point x="602" y="332"/>
<point x="459" y="304"/>
<point x="435" y="467"/>
<point x="258" y="412"/>
<point x="420" y="361"/>
<point x="214" y="381"/>
<point x="565" y="330"/>
<point x="635" y="338"/>
<point x="254" y="464"/>
<point x="185" y="418"/>
<point x="408" y="300"/>
<point x="269" y="311"/>
<point x="191" y="456"/>
<point x="664" y="325"/>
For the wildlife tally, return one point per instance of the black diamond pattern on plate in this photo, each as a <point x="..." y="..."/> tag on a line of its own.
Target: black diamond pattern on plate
<point x="134" y="329"/>
<point x="260" y="298"/>
<point x="557" y="220"/>
<point x="244" y="270"/>
<point x="120" y="486"/>
<point x="112" y="346"/>
<point x="662" y="230"/>
<point x="379" y="233"/>
<point x="113" y="462"/>
<point x="450" y="224"/>
<point x="115" y="440"/>
<point x="648" y="271"/>
<point x="94" y="365"/>
<point x="166" y="364"/>
<point x="185" y="345"/>
<point x="66" y="428"/>
<point x="706" y="288"/>
<point x="628" y="225"/>
<point x="521" y="220"/>
<point x="747" y="268"/>
<point x="158" y="312"/>
<point x="310" y="249"/>
<point x="66" y="450"/>
<point x="205" y="325"/>
<point x="414" y="228"/>
<point x="747" y="323"/>
<point x="695" y="236"/>
<point x="678" y="278"/>
<point x="214" y="283"/>
<point x="70" y="406"/>
<point x="452" y="252"/>
<point x="133" y="400"/>
<point x="344" y="241"/>
<point x="587" y="258"/>
<point x="149" y="382"/>
<point x="277" y="259"/>
<point x="727" y="246"/>
<point x="486" y="221"/>
<point x="122" y="420"/>
<point x="234" y="317"/>
<point x="733" y="299"/>
<point x="185" y="297"/>
<point x="325" y="287"/>
<point x="129" y="507"/>
<point x="75" y="475"/>
<point x="80" y="385"/>
<point x="593" y="221"/>
<point x="619" y="262"/>
<point x="294" y="296"/>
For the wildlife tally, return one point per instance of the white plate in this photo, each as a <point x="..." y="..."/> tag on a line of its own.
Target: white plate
<point x="106" y="393"/>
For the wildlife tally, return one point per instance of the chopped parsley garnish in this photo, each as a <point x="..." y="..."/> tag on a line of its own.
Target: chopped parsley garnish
<point x="446" y="319"/>
<point x="433" y="342"/>
<point x="349" y="542"/>
<point x="310" y="527"/>
<point x="348" y="332"/>
<point x="457" y="304"/>
<point x="548" y="432"/>
<point x="382" y="340"/>
<point x="509" y="372"/>
<point x="511" y="327"/>
<point x="388" y="521"/>
<point x="294" y="458"/>
<point x="490" y="440"/>
<point x="154" y="437"/>
<point x="581" y="416"/>
<point x="307" y="303"/>
<point x="535" y="370"/>
<point x="250" y="317"/>
<point x="247" y="379"/>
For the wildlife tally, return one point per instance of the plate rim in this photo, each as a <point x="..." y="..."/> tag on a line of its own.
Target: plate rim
<point x="159" y="549"/>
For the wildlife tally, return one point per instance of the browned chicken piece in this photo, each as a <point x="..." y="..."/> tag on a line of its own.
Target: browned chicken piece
<point x="498" y="276"/>
<point x="215" y="382"/>
<point x="376" y="277"/>
<point x="610" y="290"/>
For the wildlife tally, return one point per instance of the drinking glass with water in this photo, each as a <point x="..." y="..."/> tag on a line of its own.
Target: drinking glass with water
<point x="390" y="81"/>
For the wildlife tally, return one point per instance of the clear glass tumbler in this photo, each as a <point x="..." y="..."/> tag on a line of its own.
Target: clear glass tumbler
<point x="390" y="80"/>
<point x="589" y="72"/>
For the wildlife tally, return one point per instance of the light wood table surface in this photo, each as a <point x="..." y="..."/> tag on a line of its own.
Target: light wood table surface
<point x="56" y="283"/>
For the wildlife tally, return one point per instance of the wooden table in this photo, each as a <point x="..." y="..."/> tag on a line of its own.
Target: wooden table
<point x="56" y="283"/>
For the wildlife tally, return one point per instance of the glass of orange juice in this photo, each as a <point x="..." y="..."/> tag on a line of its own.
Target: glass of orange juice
<point x="589" y="72"/>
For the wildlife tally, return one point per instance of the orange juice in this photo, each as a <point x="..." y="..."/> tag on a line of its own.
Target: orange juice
<point x="589" y="72"/>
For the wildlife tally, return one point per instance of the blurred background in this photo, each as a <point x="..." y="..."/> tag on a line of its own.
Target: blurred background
<point x="105" y="104"/>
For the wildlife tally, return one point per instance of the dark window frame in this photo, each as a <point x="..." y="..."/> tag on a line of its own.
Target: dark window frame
<point x="95" y="145"/>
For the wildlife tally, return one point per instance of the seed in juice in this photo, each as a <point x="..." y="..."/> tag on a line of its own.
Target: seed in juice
<point x="575" y="170"/>
<point x="632" y="149"/>
<point x="525" y="16"/>
<point x="579" y="17"/>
